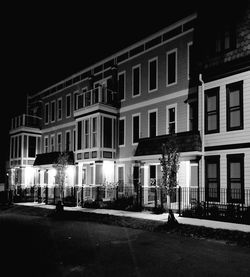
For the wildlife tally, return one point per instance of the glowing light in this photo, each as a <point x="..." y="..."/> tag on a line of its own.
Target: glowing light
<point x="52" y="172"/>
<point x="70" y="171"/>
<point x="108" y="171"/>
<point x="29" y="172"/>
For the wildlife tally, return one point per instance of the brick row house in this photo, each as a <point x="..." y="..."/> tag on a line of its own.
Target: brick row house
<point x="114" y="116"/>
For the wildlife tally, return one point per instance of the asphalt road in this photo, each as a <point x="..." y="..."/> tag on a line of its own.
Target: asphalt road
<point x="42" y="246"/>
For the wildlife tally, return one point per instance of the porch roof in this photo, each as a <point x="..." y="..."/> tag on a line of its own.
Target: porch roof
<point x="52" y="158"/>
<point x="186" y="142"/>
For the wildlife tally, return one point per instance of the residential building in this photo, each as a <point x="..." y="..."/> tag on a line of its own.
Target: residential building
<point x="114" y="116"/>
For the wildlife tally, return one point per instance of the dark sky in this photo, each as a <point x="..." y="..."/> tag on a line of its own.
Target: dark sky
<point x="43" y="44"/>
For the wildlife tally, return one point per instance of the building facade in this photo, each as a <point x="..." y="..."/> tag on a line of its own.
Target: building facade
<point x="114" y="116"/>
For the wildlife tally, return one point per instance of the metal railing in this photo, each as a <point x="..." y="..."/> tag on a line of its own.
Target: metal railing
<point x="25" y="120"/>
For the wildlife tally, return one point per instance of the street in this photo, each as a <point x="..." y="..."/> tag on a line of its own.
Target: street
<point x="42" y="246"/>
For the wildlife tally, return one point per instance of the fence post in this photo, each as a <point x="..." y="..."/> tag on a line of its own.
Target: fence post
<point x="179" y="203"/>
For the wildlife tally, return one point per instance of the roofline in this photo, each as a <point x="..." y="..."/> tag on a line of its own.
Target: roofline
<point x="138" y="43"/>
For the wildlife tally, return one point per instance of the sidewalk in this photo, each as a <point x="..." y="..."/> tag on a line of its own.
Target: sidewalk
<point x="146" y="215"/>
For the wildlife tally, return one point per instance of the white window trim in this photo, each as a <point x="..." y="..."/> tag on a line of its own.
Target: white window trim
<point x="149" y="112"/>
<point x="52" y="111"/>
<point x="188" y="58"/>
<point x="93" y="166"/>
<point x="167" y="118"/>
<point x="68" y="95"/>
<point x="75" y="99"/>
<point x="46" y="122"/>
<point x="133" y="68"/>
<point x="151" y="60"/>
<point x="60" y="133"/>
<point x="70" y="141"/>
<point x="135" y="115"/>
<point x="176" y="68"/>
<point x="59" y="118"/>
<point x="124" y="119"/>
<point x="44" y="144"/>
<point x="52" y="136"/>
<point x="123" y="73"/>
<point x="91" y="131"/>
<point x="86" y="178"/>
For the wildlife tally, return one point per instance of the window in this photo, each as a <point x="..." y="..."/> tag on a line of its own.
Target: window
<point x="52" y="143"/>
<point x="86" y="133"/>
<point x="92" y="177"/>
<point x="94" y="131"/>
<point x="212" y="178"/>
<point x="32" y="147"/>
<point x="235" y="178"/>
<point x="79" y="135"/>
<point x="120" y="177"/>
<point x="47" y="113"/>
<point x="152" y="121"/>
<point x="59" y="109"/>
<point x="59" y="142"/>
<point x="189" y="59"/>
<point x="107" y="136"/>
<point x="68" y="105"/>
<point x="172" y="119"/>
<point x="172" y="67"/>
<point x="135" y="128"/>
<point x="212" y="111"/>
<point x="152" y="175"/>
<point x="53" y="111"/>
<point x="225" y="39"/>
<point x="46" y="145"/>
<point x="12" y="148"/>
<point x="153" y="74"/>
<point x="121" y="132"/>
<point x="193" y="116"/>
<point x="84" y="176"/>
<point x="136" y="175"/>
<point x="235" y="106"/>
<point x="136" y="80"/>
<point x="121" y="82"/>
<point x="19" y="146"/>
<point x="68" y="141"/>
<point x="74" y="140"/>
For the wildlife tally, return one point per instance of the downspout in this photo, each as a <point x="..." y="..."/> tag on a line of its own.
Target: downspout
<point x="202" y="132"/>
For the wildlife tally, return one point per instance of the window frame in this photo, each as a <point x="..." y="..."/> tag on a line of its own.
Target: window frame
<point x="59" y="111"/>
<point x="241" y="107"/>
<point x="124" y="131"/>
<point x="156" y="122"/>
<point x="168" y="107"/>
<point x="53" y="114"/>
<point x="68" y="96"/>
<point x="133" y="83"/>
<point x="57" y="144"/>
<point x="167" y="66"/>
<point x="139" y="131"/>
<point x="155" y="59"/>
<point x="212" y="159"/>
<point x="124" y="87"/>
<point x="236" y="158"/>
<point x="212" y="92"/>
<point x="46" y="118"/>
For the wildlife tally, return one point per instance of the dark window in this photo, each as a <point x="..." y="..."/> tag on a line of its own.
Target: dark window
<point x="235" y="178"/>
<point x="67" y="141"/>
<point x="16" y="145"/>
<point x="107" y="132"/>
<point x="136" y="81"/>
<point x="136" y="129"/>
<point x="94" y="131"/>
<point x="171" y="68"/>
<point x="68" y="105"/>
<point x="59" y="142"/>
<point x="86" y="133"/>
<point x="32" y="147"/>
<point x="152" y="124"/>
<point x="121" y="131"/>
<point x="136" y="176"/>
<point x="59" y="109"/>
<point x="235" y="106"/>
<point x="212" y="111"/>
<point x="212" y="178"/>
<point x="225" y="40"/>
<point x="152" y="75"/>
<point x="193" y="116"/>
<point x="122" y="86"/>
<point x="171" y="121"/>
<point x="25" y="146"/>
<point x="12" y="148"/>
<point x="53" y="110"/>
<point x="152" y="175"/>
<point x="46" y="113"/>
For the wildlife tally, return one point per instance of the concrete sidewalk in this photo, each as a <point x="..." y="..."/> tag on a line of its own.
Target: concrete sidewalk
<point x="150" y="216"/>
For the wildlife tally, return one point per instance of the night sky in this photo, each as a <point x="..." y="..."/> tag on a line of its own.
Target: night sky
<point x="45" y="44"/>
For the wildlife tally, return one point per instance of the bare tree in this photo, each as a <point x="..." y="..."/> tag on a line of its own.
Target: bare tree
<point x="170" y="165"/>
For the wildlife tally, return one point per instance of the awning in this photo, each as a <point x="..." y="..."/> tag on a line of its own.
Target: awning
<point x="186" y="142"/>
<point x="52" y="158"/>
